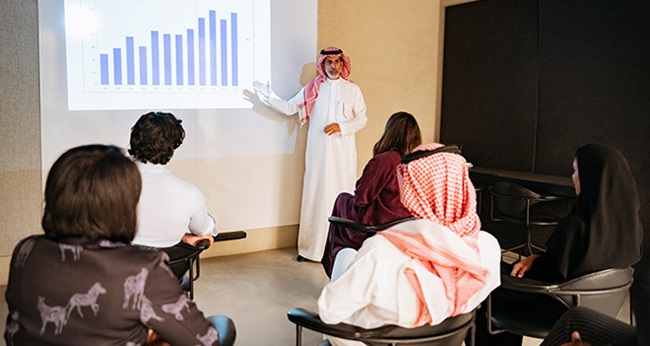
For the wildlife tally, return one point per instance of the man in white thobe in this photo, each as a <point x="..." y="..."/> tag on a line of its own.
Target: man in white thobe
<point x="336" y="111"/>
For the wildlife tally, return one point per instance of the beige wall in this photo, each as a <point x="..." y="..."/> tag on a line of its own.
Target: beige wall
<point x="395" y="48"/>
<point x="20" y="144"/>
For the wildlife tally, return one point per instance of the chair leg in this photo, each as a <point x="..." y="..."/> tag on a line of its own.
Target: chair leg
<point x="298" y="335"/>
<point x="529" y="243"/>
<point x="191" y="280"/>
<point x="472" y="335"/>
<point x="489" y="318"/>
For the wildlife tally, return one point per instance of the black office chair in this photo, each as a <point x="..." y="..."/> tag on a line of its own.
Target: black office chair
<point x="451" y="331"/>
<point x="603" y="291"/>
<point x="516" y="204"/>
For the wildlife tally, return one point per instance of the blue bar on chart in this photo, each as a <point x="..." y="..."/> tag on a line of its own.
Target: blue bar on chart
<point x="103" y="69"/>
<point x="167" y="58"/>
<point x="202" y="67"/>
<point x="233" y="40"/>
<point x="224" y="53"/>
<point x="213" y="47"/>
<point x="143" y="65"/>
<point x="117" y="66"/>
<point x="130" y="61"/>
<point x="196" y="56"/>
<point x="155" y="59"/>
<point x="190" y="57"/>
<point x="179" y="60"/>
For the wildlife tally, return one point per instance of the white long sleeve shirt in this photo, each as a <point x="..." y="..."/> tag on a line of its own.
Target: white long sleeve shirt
<point x="168" y="208"/>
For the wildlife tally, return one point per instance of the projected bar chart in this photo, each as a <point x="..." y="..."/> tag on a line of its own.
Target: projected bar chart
<point x="182" y="60"/>
<point x="136" y="54"/>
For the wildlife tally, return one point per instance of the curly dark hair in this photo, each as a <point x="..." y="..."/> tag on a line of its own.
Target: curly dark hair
<point x="92" y="192"/>
<point x="401" y="134"/>
<point x="155" y="136"/>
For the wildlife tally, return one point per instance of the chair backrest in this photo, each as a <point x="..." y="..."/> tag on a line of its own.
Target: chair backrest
<point x="603" y="291"/>
<point x="512" y="199"/>
<point x="514" y="203"/>
<point x="449" y="332"/>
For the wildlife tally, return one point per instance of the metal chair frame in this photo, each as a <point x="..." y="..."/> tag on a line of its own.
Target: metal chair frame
<point x="564" y="292"/>
<point x="378" y="336"/>
<point x="527" y="198"/>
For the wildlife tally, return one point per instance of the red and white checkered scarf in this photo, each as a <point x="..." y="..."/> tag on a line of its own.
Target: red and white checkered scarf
<point x="310" y="92"/>
<point x="438" y="188"/>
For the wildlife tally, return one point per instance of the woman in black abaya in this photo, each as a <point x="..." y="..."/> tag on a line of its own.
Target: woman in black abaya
<point x="603" y="230"/>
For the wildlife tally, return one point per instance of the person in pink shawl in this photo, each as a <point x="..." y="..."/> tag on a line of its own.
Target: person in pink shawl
<point x="421" y="271"/>
<point x="336" y="110"/>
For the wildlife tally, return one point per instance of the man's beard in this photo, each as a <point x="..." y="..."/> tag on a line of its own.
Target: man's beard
<point x="333" y="75"/>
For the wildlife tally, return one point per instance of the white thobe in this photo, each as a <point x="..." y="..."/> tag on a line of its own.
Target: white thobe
<point x="330" y="160"/>
<point x="374" y="291"/>
<point x="168" y="208"/>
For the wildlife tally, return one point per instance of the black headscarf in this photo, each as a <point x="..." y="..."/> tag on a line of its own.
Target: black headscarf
<point x="604" y="229"/>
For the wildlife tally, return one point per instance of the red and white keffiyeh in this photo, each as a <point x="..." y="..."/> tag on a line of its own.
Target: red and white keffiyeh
<point x="311" y="90"/>
<point x="437" y="187"/>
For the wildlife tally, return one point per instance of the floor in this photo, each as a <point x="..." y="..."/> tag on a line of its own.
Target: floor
<point x="256" y="290"/>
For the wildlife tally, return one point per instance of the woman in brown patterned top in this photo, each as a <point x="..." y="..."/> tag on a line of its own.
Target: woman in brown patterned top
<point x="82" y="283"/>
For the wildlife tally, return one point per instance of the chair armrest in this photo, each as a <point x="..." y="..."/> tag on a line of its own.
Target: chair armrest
<point x="230" y="235"/>
<point x="527" y="285"/>
<point x="202" y="244"/>
<point x="358" y="226"/>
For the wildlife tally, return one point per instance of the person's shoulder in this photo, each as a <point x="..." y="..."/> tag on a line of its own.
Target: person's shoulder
<point x="172" y="182"/>
<point x="29" y="241"/>
<point x="374" y="246"/>
<point x="388" y="158"/>
<point x="391" y="155"/>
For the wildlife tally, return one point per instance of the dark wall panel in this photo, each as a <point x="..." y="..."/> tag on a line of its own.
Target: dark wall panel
<point x="595" y="84"/>
<point x="489" y="101"/>
<point x="594" y="79"/>
<point x="527" y="82"/>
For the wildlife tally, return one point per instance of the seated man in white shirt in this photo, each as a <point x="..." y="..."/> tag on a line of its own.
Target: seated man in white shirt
<point x="421" y="271"/>
<point x="172" y="213"/>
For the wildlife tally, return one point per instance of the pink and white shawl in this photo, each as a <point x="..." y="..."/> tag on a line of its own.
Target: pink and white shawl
<point x="438" y="188"/>
<point x="310" y="91"/>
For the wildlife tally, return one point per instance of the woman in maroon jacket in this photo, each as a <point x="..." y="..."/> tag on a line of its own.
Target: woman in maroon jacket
<point x="376" y="198"/>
